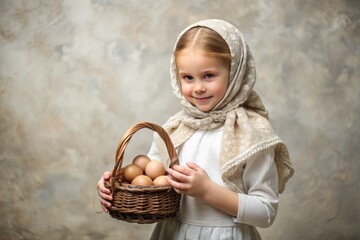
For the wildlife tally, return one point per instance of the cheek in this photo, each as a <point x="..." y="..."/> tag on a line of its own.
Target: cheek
<point x="223" y="87"/>
<point x="184" y="89"/>
<point x="221" y="90"/>
<point x="181" y="86"/>
<point x="224" y="91"/>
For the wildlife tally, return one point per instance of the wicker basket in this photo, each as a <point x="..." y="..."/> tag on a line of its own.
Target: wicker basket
<point x="142" y="204"/>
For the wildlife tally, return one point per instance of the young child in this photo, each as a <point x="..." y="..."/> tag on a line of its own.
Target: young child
<point x="232" y="164"/>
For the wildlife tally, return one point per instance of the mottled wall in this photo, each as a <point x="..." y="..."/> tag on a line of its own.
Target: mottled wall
<point x="74" y="75"/>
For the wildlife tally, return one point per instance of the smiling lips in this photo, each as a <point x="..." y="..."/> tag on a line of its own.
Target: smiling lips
<point x="202" y="99"/>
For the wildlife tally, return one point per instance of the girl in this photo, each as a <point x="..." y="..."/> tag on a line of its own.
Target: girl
<point x="232" y="164"/>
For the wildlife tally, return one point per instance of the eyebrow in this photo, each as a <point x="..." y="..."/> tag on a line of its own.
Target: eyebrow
<point x="203" y="72"/>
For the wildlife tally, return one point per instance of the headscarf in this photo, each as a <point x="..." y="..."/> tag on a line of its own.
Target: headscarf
<point x="241" y="113"/>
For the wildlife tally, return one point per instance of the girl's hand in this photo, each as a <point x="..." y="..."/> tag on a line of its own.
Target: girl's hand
<point x="191" y="180"/>
<point x="103" y="192"/>
<point x="194" y="181"/>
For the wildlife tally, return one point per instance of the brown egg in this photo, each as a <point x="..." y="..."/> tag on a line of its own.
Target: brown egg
<point x="161" y="181"/>
<point x="141" y="161"/>
<point x="154" y="169"/>
<point x="142" y="180"/>
<point x="131" y="171"/>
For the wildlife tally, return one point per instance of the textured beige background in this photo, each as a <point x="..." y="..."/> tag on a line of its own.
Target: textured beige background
<point x="74" y="75"/>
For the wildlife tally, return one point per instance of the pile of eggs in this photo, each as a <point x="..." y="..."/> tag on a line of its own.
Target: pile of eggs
<point x="145" y="172"/>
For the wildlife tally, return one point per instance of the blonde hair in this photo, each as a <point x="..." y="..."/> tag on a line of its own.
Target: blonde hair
<point x="207" y="40"/>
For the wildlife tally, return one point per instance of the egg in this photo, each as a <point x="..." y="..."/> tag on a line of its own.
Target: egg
<point x="154" y="169"/>
<point x="141" y="161"/>
<point x="161" y="181"/>
<point x="131" y="171"/>
<point x="142" y="180"/>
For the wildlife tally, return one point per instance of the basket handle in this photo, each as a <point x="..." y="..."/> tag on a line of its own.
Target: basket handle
<point x="125" y="140"/>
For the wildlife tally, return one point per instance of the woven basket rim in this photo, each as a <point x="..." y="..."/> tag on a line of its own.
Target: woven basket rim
<point x="145" y="189"/>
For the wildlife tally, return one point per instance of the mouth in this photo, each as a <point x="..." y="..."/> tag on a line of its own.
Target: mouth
<point x="202" y="99"/>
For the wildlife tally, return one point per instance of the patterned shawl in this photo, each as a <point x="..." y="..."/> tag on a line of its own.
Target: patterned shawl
<point x="241" y="113"/>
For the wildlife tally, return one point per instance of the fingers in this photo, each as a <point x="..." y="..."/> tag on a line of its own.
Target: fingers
<point x="194" y="166"/>
<point x="104" y="193"/>
<point x="183" y="169"/>
<point x="101" y="187"/>
<point x="101" y="183"/>
<point x="191" y="167"/>
<point x="183" y="173"/>
<point x="107" y="175"/>
<point x="179" y="187"/>
<point x="179" y="176"/>
<point x="105" y="200"/>
<point x="105" y="196"/>
<point x="104" y="205"/>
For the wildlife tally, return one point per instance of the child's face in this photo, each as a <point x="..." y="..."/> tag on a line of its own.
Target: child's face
<point x="204" y="79"/>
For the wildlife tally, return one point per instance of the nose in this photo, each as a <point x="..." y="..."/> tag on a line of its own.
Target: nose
<point x="199" y="87"/>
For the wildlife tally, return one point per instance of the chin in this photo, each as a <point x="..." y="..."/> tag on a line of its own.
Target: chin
<point x="204" y="109"/>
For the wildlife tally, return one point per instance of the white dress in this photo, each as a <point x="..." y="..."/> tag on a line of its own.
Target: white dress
<point x="257" y="204"/>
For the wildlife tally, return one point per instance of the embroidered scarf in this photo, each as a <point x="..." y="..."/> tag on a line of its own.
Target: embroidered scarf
<point x="241" y="113"/>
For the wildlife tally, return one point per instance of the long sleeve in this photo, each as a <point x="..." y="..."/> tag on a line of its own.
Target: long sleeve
<point x="258" y="206"/>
